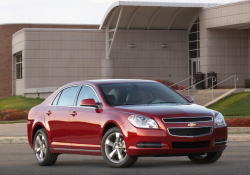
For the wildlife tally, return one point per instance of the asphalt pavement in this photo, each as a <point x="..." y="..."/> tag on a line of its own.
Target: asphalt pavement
<point x="19" y="159"/>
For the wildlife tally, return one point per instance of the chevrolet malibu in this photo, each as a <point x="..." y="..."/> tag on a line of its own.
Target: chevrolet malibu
<point x="123" y="120"/>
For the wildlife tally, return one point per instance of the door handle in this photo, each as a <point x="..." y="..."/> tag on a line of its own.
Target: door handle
<point x="49" y="112"/>
<point x="73" y="113"/>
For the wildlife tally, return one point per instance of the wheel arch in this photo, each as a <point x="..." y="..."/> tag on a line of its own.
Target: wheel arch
<point x="109" y="125"/>
<point x="36" y="127"/>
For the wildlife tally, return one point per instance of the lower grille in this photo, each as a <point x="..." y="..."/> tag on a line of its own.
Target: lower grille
<point x="220" y="142"/>
<point x="149" y="145"/>
<point x="202" y="144"/>
<point x="190" y="132"/>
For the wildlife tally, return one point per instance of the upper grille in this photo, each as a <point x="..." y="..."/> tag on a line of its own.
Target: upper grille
<point x="187" y="119"/>
<point x="201" y="144"/>
<point x="190" y="132"/>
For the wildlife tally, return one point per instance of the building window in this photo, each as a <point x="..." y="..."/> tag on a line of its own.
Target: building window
<point x="194" y="40"/>
<point x="19" y="67"/>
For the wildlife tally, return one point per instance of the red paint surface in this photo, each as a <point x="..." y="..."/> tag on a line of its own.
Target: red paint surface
<point x="84" y="129"/>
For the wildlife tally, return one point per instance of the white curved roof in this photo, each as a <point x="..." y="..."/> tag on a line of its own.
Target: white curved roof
<point x="152" y="15"/>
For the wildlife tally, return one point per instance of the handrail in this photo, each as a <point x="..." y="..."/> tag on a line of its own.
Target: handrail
<point x="190" y="77"/>
<point x="235" y="76"/>
<point x="184" y="80"/>
<point x="200" y="82"/>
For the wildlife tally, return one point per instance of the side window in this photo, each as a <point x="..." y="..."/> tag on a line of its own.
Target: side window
<point x="86" y="93"/>
<point x="56" y="99"/>
<point x="67" y="96"/>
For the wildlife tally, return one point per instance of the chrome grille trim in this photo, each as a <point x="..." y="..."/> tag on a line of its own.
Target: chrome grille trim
<point x="187" y="118"/>
<point x="211" y="131"/>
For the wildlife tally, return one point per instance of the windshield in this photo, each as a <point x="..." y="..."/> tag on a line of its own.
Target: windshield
<point x="118" y="94"/>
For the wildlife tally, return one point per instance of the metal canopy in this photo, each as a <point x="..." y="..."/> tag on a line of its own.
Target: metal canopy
<point x="148" y="16"/>
<point x="152" y="15"/>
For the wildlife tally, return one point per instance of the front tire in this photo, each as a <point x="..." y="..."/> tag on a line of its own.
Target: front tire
<point x="207" y="158"/>
<point x="114" y="149"/>
<point x="42" y="150"/>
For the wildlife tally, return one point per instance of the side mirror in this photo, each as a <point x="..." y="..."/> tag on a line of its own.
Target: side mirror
<point x="89" y="102"/>
<point x="189" y="98"/>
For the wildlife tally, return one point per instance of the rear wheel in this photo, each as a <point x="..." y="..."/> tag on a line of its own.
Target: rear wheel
<point x="114" y="149"/>
<point x="42" y="150"/>
<point x="206" y="158"/>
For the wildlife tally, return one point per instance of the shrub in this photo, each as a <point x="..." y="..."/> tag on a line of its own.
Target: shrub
<point x="13" y="114"/>
<point x="238" y="122"/>
<point x="169" y="83"/>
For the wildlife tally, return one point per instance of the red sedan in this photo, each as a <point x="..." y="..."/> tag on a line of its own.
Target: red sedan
<point x="122" y="120"/>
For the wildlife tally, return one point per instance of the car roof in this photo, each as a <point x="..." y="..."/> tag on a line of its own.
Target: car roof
<point x="111" y="81"/>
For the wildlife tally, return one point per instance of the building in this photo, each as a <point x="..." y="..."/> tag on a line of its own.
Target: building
<point x="6" y="57"/>
<point x="145" y="40"/>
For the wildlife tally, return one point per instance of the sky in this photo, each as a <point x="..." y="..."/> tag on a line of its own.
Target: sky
<point x="65" y="11"/>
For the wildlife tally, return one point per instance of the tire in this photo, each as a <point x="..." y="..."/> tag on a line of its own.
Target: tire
<point x="208" y="158"/>
<point x="42" y="150"/>
<point x="117" y="148"/>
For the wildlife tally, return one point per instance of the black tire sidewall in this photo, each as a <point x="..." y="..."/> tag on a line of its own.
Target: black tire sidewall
<point x="125" y="162"/>
<point x="210" y="158"/>
<point x="42" y="131"/>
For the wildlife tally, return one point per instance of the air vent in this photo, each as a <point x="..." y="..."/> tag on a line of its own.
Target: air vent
<point x="202" y="144"/>
<point x="220" y="142"/>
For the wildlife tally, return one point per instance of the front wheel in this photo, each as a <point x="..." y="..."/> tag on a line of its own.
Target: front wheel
<point x="206" y="158"/>
<point x="114" y="149"/>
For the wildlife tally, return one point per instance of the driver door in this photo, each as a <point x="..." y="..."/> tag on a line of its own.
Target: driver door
<point x="85" y="122"/>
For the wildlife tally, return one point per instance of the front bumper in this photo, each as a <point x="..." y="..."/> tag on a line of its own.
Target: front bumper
<point x="133" y="136"/>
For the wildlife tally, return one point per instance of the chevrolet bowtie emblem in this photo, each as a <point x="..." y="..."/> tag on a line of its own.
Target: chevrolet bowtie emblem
<point x="191" y="124"/>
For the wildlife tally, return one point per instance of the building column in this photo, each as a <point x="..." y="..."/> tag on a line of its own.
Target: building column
<point x="107" y="68"/>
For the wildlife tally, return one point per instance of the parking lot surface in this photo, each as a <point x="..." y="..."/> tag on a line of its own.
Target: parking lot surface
<point x="19" y="159"/>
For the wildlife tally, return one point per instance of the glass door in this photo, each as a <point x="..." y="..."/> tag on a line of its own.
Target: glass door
<point x="194" y="50"/>
<point x="194" y="67"/>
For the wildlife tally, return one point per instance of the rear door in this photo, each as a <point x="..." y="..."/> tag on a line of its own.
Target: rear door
<point x="57" y="115"/>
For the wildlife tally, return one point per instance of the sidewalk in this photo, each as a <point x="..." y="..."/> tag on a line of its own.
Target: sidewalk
<point x="17" y="133"/>
<point x="13" y="130"/>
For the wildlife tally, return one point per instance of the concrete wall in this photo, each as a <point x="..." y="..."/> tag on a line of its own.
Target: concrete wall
<point x="225" y="51"/>
<point x="248" y="53"/>
<point x="17" y="48"/>
<point x="224" y="48"/>
<point x="149" y="60"/>
<point x="226" y="15"/>
<point x="52" y="58"/>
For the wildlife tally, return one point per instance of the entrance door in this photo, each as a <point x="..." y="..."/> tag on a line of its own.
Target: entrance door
<point x="194" y="65"/>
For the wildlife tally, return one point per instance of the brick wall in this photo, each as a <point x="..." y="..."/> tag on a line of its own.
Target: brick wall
<point x="6" y="32"/>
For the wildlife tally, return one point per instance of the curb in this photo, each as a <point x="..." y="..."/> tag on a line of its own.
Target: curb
<point x="24" y="139"/>
<point x="239" y="137"/>
<point x="238" y="129"/>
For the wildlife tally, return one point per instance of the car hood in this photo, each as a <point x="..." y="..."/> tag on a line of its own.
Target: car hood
<point x="167" y="110"/>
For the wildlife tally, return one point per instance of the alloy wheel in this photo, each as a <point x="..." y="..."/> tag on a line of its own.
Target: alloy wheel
<point x="40" y="147"/>
<point x="115" y="147"/>
<point x="201" y="156"/>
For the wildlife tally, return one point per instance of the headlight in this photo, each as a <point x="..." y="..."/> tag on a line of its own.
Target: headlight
<point x="142" y="122"/>
<point x="219" y="120"/>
